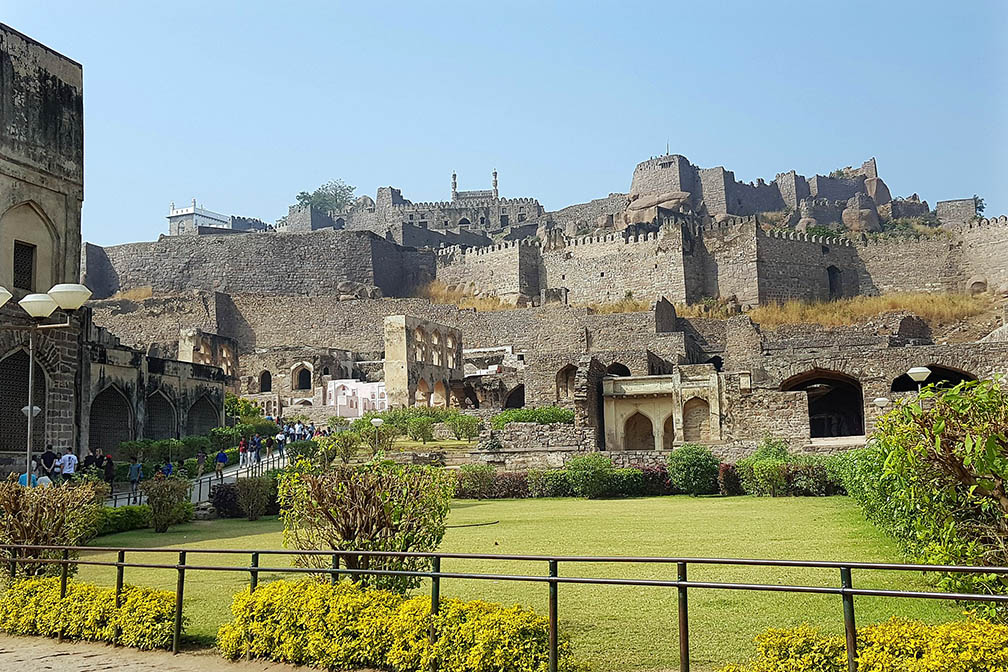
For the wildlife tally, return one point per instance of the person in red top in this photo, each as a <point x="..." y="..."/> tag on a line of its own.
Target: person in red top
<point x="242" y="454"/>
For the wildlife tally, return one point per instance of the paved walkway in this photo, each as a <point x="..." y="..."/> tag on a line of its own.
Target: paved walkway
<point x="39" y="654"/>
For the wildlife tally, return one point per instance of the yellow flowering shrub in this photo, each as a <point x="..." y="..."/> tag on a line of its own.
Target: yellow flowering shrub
<point x="347" y="626"/>
<point x="973" y="645"/>
<point x="33" y="607"/>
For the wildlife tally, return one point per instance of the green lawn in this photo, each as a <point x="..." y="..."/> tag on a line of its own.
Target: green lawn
<point x="615" y="628"/>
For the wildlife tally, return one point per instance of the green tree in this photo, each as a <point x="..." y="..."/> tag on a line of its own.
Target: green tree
<point x="979" y="203"/>
<point x="332" y="196"/>
<point x="420" y="429"/>
<point x="340" y="446"/>
<point x="236" y="407"/>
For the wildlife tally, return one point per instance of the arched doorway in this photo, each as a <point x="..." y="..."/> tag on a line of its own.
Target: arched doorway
<point x="465" y="223"/>
<point x="696" y="420"/>
<point x="160" y="421"/>
<point x="14" y="397"/>
<point x="111" y="421"/>
<point x="265" y="382"/>
<point x="836" y="402"/>
<point x="440" y="397"/>
<point x="515" y="398"/>
<point x="941" y="376"/>
<point x="668" y="433"/>
<point x="834" y="277"/>
<point x="202" y="417"/>
<point x="302" y="380"/>
<point x="422" y="396"/>
<point x="565" y="382"/>
<point x="617" y="369"/>
<point x="638" y="433"/>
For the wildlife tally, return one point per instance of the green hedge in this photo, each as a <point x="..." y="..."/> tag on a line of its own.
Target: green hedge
<point x="894" y="646"/>
<point x="547" y="415"/>
<point x="113" y="520"/>
<point x="34" y="607"/>
<point x="771" y="471"/>
<point x="346" y="626"/>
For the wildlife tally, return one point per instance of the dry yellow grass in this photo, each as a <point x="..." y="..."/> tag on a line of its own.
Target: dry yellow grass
<point x="438" y="292"/>
<point x="135" y="294"/>
<point x="627" y="304"/>
<point x="933" y="308"/>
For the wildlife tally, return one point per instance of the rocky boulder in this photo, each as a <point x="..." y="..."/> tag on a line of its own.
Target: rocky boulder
<point x="878" y="190"/>
<point x="860" y="215"/>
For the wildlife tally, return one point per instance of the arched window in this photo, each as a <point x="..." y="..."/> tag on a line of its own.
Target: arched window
<point x="422" y="396"/>
<point x="265" y="382"/>
<point x="111" y="421"/>
<point x="638" y="433"/>
<point x="303" y="379"/>
<point x="14" y="397"/>
<point x="696" y="420"/>
<point x="449" y="351"/>
<point x="160" y="421"/>
<point x="835" y="402"/>
<point x="668" y="433"/>
<point x="420" y="345"/>
<point x="325" y="371"/>
<point x="29" y="249"/>
<point x="941" y="376"/>
<point x="515" y="398"/>
<point x="565" y="382"/>
<point x="435" y="348"/>
<point x="202" y="417"/>
<point x="617" y="369"/>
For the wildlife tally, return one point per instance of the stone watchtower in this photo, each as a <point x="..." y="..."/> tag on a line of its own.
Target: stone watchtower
<point x="454" y="195"/>
<point x="495" y="184"/>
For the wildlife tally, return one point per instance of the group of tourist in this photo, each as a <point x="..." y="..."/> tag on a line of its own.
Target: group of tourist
<point x="51" y="468"/>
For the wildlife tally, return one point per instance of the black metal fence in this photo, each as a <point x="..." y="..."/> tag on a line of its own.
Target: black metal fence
<point x="553" y="578"/>
<point x="201" y="486"/>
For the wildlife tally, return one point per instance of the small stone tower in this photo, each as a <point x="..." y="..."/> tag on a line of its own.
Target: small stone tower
<point x="454" y="196"/>
<point x="495" y="183"/>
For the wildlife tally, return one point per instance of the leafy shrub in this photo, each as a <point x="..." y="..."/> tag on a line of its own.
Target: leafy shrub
<point x="166" y="498"/>
<point x="656" y="481"/>
<point x="193" y="444"/>
<point x="728" y="480"/>
<point x="302" y="449"/>
<point x="380" y="506"/>
<point x="113" y="520"/>
<point x="224" y="437"/>
<point x="466" y="427"/>
<point x="346" y="626"/>
<point x="589" y="475"/>
<point x="381" y="439"/>
<point x="420" y="429"/>
<point x="253" y="495"/>
<point x="340" y="446"/>
<point x="547" y="415"/>
<point x="510" y="485"/>
<point x="64" y="516"/>
<point x="766" y="478"/>
<point x="811" y="476"/>
<point x="33" y="607"/>
<point x="693" y="469"/>
<point x="549" y="483"/>
<point x="625" y="483"/>
<point x="896" y="645"/>
<point x="224" y="497"/>
<point x="475" y="481"/>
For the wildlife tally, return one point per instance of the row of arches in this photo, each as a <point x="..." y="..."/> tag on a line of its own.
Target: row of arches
<point x="302" y="378"/>
<point x="639" y="431"/>
<point x="111" y="419"/>
<point x="433" y="349"/>
<point x="437" y="396"/>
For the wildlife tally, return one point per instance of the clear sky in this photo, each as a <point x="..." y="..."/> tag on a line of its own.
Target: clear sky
<point x="243" y="104"/>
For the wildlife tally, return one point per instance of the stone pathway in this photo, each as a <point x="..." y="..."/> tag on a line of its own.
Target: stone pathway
<point x="39" y="654"/>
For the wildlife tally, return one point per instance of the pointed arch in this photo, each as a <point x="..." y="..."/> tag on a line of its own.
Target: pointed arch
<point x="638" y="433"/>
<point x="161" y="418"/>
<point x="440" y="395"/>
<point x="202" y="417"/>
<point x="110" y="420"/>
<point x="423" y="393"/>
<point x="696" y="420"/>
<point x="515" y="397"/>
<point x="28" y="224"/>
<point x="14" y="397"/>
<point x="435" y="347"/>
<point x="668" y="432"/>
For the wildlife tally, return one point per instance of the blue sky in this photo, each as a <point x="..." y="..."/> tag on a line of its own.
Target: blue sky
<point x="243" y="104"/>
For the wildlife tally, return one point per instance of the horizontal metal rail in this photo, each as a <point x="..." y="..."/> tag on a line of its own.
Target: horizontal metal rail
<point x="21" y="554"/>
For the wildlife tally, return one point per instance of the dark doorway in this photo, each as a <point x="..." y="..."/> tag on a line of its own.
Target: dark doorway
<point x="836" y="402"/>
<point x="835" y="277"/>
<point x="202" y="418"/>
<point x="111" y="421"/>
<point x="504" y="220"/>
<point x="638" y="433"/>
<point x="617" y="369"/>
<point x="515" y="398"/>
<point x="265" y="382"/>
<point x="160" y="418"/>
<point x="303" y="380"/>
<point x="941" y="376"/>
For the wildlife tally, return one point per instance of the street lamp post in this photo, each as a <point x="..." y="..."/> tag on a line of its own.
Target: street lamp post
<point x="69" y="297"/>
<point x="919" y="374"/>
<point x="376" y="423"/>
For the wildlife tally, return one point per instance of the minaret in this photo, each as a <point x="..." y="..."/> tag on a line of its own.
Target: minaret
<point x="454" y="186"/>
<point x="495" y="183"/>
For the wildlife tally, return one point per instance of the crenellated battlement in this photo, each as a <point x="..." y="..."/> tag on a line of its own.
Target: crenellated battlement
<point x="658" y="162"/>
<point x="805" y="237"/>
<point x="1001" y="220"/>
<point x="459" y="205"/>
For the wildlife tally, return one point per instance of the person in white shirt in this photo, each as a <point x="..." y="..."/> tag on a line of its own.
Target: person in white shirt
<point x="68" y="465"/>
<point x="44" y="481"/>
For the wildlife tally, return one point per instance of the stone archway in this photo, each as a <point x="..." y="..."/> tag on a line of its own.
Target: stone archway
<point x="160" y="420"/>
<point x="423" y="394"/>
<point x="265" y="382"/>
<point x="668" y="433"/>
<point x="202" y="417"/>
<point x="565" y="382"/>
<point x="440" y="395"/>
<point x="14" y="397"/>
<point x="941" y="376"/>
<point x="638" y="433"/>
<point x="110" y="421"/>
<point x="696" y="420"/>
<point x="836" y="402"/>
<point x="515" y="398"/>
<point x="303" y="380"/>
<point x="617" y="369"/>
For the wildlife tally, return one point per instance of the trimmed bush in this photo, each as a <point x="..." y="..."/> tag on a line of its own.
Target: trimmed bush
<point x="656" y="481"/>
<point x="893" y="646"/>
<point x="475" y="481"/>
<point x="510" y="485"/>
<point x="589" y="475"/>
<point x="728" y="480"/>
<point x="773" y="472"/>
<point x="253" y="495"/>
<point x="113" y="520"/>
<point x="625" y="483"/>
<point x="420" y="429"/>
<point x="548" y="483"/>
<point x="346" y="626"/>
<point x="547" y="415"/>
<point x="693" y="470"/>
<point x="33" y="607"/>
<point x="224" y="497"/>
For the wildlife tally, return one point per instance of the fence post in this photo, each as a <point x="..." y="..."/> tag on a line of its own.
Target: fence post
<point x="683" y="621"/>
<point x="848" y="617"/>
<point x="179" y="590"/>
<point x="553" y="617"/>
<point x="333" y="576"/>
<point x="254" y="573"/>
<point x="120" y="568"/>
<point x="64" y="575"/>
<point x="13" y="563"/>
<point x="435" y="604"/>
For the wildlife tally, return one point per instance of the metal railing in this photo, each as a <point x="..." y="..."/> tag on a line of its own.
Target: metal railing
<point x="553" y="578"/>
<point x="200" y="487"/>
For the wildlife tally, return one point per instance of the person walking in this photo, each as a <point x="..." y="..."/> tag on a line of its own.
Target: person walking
<point x="242" y="454"/>
<point x="109" y="472"/>
<point x="68" y="465"/>
<point x="281" y="439"/>
<point x="256" y="447"/>
<point x="135" y="476"/>
<point x="200" y="463"/>
<point x="49" y="462"/>
<point x="219" y="463"/>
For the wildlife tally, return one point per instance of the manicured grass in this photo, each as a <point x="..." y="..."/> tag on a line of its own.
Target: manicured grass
<point x="615" y="628"/>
